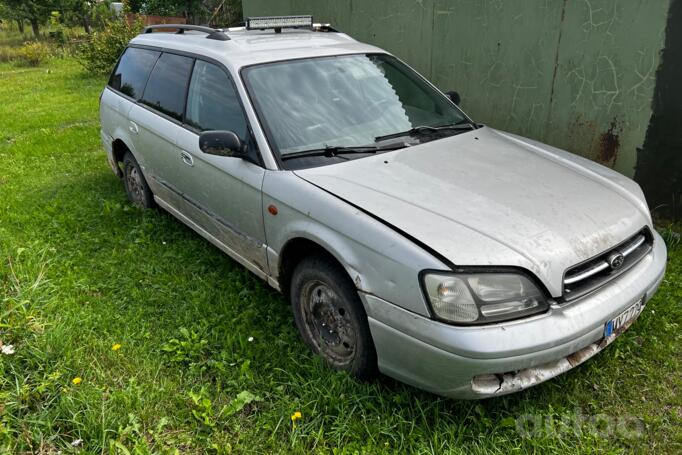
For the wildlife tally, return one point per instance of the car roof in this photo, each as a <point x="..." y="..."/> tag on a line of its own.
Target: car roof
<point x="248" y="47"/>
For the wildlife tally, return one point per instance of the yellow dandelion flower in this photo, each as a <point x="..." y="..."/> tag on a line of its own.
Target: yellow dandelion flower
<point x="76" y="380"/>
<point x="295" y="416"/>
<point x="116" y="347"/>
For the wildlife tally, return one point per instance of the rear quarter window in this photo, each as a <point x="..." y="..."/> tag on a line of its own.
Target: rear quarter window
<point x="132" y="71"/>
<point x="167" y="85"/>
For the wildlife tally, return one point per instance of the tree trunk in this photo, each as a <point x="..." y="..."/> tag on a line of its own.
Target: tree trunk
<point x="20" y="24"/>
<point x="190" y="12"/>
<point x="36" y="28"/>
<point x="86" y="24"/>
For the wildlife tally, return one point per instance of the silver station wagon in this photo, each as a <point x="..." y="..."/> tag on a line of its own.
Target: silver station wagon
<point x="409" y="239"/>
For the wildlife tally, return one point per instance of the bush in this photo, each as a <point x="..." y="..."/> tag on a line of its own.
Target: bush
<point x="99" y="53"/>
<point x="33" y="54"/>
<point x="8" y="53"/>
<point x="57" y="34"/>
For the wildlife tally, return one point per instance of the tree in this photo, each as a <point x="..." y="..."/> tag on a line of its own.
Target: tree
<point x="82" y="10"/>
<point x="10" y="14"/>
<point x="186" y="8"/>
<point x="85" y="12"/>
<point x="35" y="11"/>
<point x="224" y="12"/>
<point x="132" y="6"/>
<point x="221" y="12"/>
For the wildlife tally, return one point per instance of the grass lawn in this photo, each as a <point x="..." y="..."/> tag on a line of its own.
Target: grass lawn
<point x="209" y="358"/>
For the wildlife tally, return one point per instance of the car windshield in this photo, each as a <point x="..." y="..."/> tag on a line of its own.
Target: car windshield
<point x="345" y="101"/>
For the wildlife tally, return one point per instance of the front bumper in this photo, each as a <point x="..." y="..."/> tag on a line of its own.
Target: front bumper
<point x="493" y="360"/>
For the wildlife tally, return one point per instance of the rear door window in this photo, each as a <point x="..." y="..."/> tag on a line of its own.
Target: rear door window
<point x="167" y="85"/>
<point x="132" y="71"/>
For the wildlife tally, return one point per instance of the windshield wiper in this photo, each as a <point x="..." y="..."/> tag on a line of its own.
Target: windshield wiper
<point x="335" y="150"/>
<point x="425" y="130"/>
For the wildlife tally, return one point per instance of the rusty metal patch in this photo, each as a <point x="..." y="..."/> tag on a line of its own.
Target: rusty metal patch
<point x="609" y="144"/>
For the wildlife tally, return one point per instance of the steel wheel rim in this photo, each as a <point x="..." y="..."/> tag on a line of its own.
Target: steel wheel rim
<point x="328" y="322"/>
<point x="134" y="181"/>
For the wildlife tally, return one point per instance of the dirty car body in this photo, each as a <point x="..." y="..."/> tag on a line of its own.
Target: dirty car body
<point x="485" y="262"/>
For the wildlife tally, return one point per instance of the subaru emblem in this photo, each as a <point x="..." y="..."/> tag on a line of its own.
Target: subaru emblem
<point x="616" y="261"/>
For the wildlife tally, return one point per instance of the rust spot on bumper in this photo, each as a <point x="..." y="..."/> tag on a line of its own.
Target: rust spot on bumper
<point x="501" y="384"/>
<point x="504" y="383"/>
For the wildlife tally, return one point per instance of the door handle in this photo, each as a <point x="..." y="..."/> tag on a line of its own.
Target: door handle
<point x="187" y="158"/>
<point x="133" y="128"/>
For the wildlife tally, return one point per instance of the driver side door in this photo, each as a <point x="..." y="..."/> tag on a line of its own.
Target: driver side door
<point x="222" y="195"/>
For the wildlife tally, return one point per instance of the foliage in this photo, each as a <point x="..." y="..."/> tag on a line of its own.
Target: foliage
<point x="37" y="12"/>
<point x="169" y="7"/>
<point x="189" y="348"/>
<point x="11" y="41"/>
<point x="203" y="410"/>
<point x="8" y="53"/>
<point x="132" y="6"/>
<point x="671" y="235"/>
<point x="242" y="399"/>
<point x="92" y="15"/>
<point x="217" y="12"/>
<point x="101" y="50"/>
<point x="81" y="269"/>
<point x="58" y="31"/>
<point x="86" y="13"/>
<point x="7" y="12"/>
<point x="33" y="54"/>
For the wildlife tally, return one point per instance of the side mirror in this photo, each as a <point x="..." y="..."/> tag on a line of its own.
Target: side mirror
<point x="454" y="97"/>
<point x="221" y="143"/>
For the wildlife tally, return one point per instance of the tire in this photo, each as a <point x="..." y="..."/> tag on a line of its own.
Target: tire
<point x="331" y="318"/>
<point x="135" y="184"/>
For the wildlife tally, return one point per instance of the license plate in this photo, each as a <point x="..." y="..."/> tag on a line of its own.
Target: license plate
<point x="621" y="322"/>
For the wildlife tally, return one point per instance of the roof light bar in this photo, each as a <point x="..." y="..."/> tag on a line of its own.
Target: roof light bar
<point x="279" y="22"/>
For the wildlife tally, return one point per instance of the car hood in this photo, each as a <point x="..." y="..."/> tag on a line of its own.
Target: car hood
<point x="490" y="198"/>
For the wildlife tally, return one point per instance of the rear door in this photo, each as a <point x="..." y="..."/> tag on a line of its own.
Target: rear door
<point x="224" y="192"/>
<point x="156" y="121"/>
<point x="125" y="87"/>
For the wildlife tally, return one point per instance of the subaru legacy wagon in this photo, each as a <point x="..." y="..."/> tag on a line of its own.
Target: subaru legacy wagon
<point x="410" y="239"/>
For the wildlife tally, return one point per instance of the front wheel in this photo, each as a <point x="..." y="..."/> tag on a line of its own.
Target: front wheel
<point x="331" y="318"/>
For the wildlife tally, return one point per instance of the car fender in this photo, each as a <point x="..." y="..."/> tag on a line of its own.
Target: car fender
<point x="114" y="109"/>
<point x="380" y="260"/>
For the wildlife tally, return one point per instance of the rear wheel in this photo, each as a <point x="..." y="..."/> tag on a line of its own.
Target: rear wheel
<point x="331" y="318"/>
<point x="135" y="184"/>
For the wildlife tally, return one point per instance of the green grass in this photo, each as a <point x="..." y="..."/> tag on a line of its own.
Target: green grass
<point x="82" y="270"/>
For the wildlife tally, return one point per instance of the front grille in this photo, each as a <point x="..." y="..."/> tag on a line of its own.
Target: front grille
<point x="593" y="273"/>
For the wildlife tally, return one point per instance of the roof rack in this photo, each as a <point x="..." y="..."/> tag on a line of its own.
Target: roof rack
<point x="213" y="33"/>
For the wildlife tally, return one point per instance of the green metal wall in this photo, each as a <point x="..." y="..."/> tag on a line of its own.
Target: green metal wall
<point x="577" y="74"/>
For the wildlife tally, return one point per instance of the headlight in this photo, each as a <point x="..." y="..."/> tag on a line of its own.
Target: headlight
<point x="479" y="298"/>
